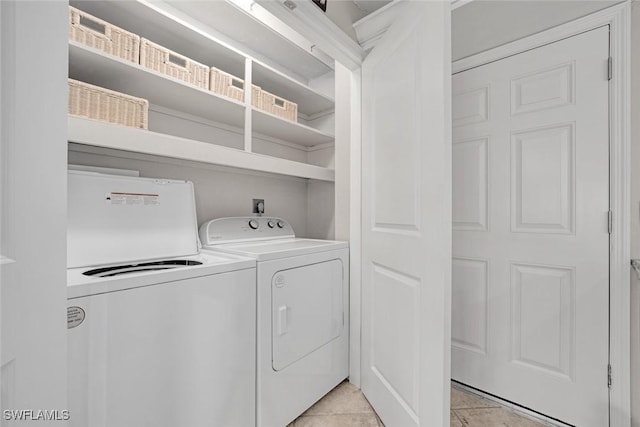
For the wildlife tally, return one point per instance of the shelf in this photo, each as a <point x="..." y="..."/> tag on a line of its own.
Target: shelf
<point x="215" y="33"/>
<point x="231" y="22"/>
<point x="309" y="101"/>
<point x="170" y="26"/>
<point x="146" y="19"/>
<point x="100" y="134"/>
<point x="92" y="66"/>
<point x="264" y="123"/>
<point x="95" y="67"/>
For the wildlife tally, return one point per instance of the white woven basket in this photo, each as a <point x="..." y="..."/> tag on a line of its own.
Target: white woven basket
<point x="96" y="33"/>
<point x="94" y="102"/>
<point x="226" y="84"/>
<point x="256" y="96"/>
<point x="279" y="106"/>
<point x="166" y="61"/>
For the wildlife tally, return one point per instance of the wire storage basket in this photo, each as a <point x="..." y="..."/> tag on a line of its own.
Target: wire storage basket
<point x="256" y="96"/>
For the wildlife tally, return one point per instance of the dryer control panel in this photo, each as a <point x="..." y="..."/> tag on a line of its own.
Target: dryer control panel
<point x="240" y="229"/>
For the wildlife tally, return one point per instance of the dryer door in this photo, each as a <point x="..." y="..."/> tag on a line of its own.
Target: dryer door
<point x="307" y="310"/>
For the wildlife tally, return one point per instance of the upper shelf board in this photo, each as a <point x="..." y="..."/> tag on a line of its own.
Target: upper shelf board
<point x="264" y="43"/>
<point x="148" y="21"/>
<point x="309" y="101"/>
<point x="264" y="123"/>
<point x="215" y="33"/>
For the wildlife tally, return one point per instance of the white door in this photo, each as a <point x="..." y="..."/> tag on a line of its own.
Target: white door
<point x="530" y="229"/>
<point x="33" y="202"/>
<point x="406" y="237"/>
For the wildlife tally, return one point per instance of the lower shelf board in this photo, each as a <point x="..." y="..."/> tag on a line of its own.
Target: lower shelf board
<point x="101" y="134"/>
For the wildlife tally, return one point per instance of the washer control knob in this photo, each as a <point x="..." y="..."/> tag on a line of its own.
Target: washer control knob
<point x="253" y="224"/>
<point x="271" y="224"/>
<point x="280" y="224"/>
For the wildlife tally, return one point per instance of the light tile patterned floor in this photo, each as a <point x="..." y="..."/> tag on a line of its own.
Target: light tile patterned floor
<point x="471" y="410"/>
<point x="346" y="406"/>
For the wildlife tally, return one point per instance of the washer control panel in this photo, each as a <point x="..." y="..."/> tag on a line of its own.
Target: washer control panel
<point x="238" y="229"/>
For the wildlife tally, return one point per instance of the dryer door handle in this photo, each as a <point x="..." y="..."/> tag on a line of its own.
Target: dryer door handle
<point x="283" y="319"/>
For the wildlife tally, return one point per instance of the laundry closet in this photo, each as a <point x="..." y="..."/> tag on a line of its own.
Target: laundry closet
<point x="346" y="159"/>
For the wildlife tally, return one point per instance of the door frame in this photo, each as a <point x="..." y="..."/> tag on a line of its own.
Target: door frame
<point x="618" y="19"/>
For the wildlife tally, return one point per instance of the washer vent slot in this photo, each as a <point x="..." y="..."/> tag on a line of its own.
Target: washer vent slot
<point x="140" y="268"/>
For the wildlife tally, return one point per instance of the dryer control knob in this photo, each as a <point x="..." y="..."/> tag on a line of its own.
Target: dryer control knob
<point x="280" y="224"/>
<point x="271" y="224"/>
<point x="254" y="224"/>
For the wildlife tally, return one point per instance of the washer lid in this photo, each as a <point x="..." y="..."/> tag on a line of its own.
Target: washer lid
<point x="115" y="219"/>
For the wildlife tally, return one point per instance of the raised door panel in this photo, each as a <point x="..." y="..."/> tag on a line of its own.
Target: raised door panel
<point x="396" y="144"/>
<point x="469" y="295"/>
<point x="397" y="345"/>
<point x="544" y="89"/>
<point x="470" y="184"/>
<point x="543" y="313"/>
<point x="543" y="181"/>
<point x="470" y="107"/>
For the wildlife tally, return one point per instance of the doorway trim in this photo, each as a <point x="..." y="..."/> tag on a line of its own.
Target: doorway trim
<point x="618" y="19"/>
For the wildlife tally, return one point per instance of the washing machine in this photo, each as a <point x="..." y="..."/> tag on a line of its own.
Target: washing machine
<point x="160" y="333"/>
<point x="302" y="311"/>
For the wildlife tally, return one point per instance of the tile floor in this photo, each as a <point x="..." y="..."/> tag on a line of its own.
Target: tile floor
<point x="346" y="406"/>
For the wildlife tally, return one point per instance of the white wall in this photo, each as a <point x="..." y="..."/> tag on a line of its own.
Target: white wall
<point x="222" y="191"/>
<point x="483" y="25"/>
<point x="33" y="289"/>
<point x="164" y="120"/>
<point x="320" y="205"/>
<point x="321" y="196"/>
<point x="635" y="212"/>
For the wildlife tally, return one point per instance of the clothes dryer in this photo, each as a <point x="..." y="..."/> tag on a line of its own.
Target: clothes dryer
<point x="302" y="311"/>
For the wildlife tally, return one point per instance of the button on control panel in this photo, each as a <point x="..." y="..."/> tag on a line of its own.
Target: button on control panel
<point x="254" y="224"/>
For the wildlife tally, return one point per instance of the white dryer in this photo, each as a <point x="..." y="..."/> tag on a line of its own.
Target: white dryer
<point x="160" y="334"/>
<point x="303" y="314"/>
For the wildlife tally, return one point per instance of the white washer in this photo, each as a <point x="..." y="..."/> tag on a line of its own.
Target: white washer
<point x="303" y="317"/>
<point x="160" y="333"/>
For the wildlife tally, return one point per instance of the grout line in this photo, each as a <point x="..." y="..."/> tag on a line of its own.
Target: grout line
<point x="523" y="412"/>
<point x="455" y="414"/>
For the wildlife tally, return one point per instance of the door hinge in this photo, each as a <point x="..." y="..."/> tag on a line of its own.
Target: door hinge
<point x="609" y="376"/>
<point x="610" y="68"/>
<point x="610" y="221"/>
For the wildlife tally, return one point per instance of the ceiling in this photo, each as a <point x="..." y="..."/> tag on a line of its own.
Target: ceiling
<point x="345" y="12"/>
<point x="480" y="25"/>
<point x="368" y="6"/>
